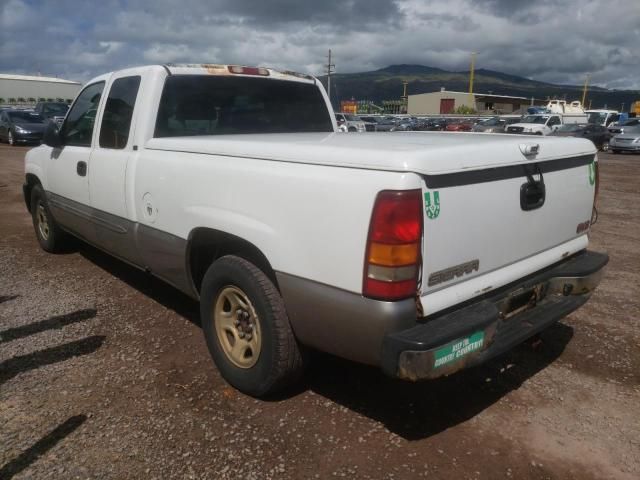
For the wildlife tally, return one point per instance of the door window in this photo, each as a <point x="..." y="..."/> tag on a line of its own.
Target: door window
<point x="553" y="121"/>
<point x="78" y="126"/>
<point x="118" y="111"/>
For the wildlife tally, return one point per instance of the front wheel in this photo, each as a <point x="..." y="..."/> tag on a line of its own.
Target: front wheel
<point x="605" y="146"/>
<point x="246" y="328"/>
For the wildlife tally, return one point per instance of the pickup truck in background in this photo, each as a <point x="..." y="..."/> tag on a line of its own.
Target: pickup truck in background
<point x="52" y="110"/>
<point x="544" y="124"/>
<point x="422" y="253"/>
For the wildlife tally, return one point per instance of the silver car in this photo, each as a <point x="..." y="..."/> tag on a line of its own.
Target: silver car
<point x="629" y="141"/>
<point x="496" y="124"/>
<point x="350" y="123"/>
<point x="630" y="123"/>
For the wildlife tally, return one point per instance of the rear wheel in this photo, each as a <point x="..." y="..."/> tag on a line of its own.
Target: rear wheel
<point x="50" y="236"/>
<point x="605" y="146"/>
<point x="246" y="328"/>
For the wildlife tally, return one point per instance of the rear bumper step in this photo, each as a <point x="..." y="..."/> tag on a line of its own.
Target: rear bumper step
<point x="474" y="334"/>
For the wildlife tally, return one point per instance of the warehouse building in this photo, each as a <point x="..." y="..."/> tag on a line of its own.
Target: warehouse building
<point x="27" y="90"/>
<point x="445" y="101"/>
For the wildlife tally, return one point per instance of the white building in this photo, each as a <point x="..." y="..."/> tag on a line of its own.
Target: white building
<point x="27" y="90"/>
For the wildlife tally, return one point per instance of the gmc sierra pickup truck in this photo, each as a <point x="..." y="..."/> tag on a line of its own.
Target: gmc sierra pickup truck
<point x="422" y="252"/>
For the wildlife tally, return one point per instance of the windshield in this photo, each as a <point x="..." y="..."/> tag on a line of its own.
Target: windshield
<point x="353" y="118"/>
<point x="193" y="105"/>
<point x="570" y="128"/>
<point x="26" y="117"/>
<point x="55" y="108"/>
<point x="492" y="122"/>
<point x="534" y="119"/>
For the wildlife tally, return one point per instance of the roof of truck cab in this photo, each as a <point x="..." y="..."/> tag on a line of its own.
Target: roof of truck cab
<point x="216" y="70"/>
<point x="226" y="70"/>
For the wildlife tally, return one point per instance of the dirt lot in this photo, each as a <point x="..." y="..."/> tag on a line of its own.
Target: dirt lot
<point x="104" y="374"/>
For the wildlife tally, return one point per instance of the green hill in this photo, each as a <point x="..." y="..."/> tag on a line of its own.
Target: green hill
<point x="386" y="84"/>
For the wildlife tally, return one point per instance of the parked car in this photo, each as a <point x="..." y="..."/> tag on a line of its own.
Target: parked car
<point x="382" y="124"/>
<point x="435" y="124"/>
<point x="52" y="110"/>
<point x="496" y="124"/>
<point x="629" y="141"/>
<point x="407" y="251"/>
<point x="618" y="129"/>
<point x="21" y="126"/>
<point x="459" y="125"/>
<point x="598" y="134"/>
<point x="603" y="117"/>
<point x="350" y="123"/>
<point x="404" y="124"/>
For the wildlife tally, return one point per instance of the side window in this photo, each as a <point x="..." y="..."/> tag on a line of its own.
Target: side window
<point x="78" y="126"/>
<point x="553" y="121"/>
<point x="116" y="120"/>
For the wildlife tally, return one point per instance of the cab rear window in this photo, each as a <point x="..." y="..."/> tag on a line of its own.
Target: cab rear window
<point x="194" y="105"/>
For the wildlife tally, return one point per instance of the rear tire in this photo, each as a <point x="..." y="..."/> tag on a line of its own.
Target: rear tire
<point x="50" y="236"/>
<point x="246" y="328"/>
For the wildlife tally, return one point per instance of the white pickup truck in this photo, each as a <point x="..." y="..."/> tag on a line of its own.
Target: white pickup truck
<point x="544" y="124"/>
<point x="422" y="252"/>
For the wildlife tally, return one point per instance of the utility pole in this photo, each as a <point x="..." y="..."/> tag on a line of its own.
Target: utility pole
<point x="471" y="72"/>
<point x="330" y="69"/>
<point x="584" y="91"/>
<point x="405" y="99"/>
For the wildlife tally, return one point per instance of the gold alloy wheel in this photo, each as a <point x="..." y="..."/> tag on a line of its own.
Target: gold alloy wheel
<point x="237" y="326"/>
<point x="43" y="223"/>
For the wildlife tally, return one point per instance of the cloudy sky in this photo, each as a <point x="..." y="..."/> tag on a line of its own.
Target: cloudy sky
<point x="550" y="40"/>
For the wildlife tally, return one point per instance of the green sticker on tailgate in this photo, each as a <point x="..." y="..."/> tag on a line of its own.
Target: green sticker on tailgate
<point x="458" y="349"/>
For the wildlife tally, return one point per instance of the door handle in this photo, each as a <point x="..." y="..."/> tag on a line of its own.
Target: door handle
<point x="81" y="169"/>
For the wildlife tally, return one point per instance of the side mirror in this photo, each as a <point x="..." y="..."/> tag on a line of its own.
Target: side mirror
<point x="52" y="135"/>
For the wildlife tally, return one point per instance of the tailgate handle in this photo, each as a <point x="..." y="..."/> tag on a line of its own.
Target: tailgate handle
<point x="532" y="193"/>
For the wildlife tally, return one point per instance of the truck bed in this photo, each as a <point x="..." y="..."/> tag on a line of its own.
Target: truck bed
<point x="420" y="152"/>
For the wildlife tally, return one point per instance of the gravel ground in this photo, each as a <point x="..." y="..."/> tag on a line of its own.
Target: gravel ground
<point x="104" y="374"/>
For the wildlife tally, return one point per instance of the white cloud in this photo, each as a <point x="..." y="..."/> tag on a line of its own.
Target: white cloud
<point x="545" y="40"/>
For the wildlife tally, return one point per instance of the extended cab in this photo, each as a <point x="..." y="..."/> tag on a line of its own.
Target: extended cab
<point x="421" y="252"/>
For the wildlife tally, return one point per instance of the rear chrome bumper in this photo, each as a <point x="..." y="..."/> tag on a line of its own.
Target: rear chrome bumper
<point x="487" y="327"/>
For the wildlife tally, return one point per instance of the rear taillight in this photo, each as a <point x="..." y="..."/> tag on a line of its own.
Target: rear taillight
<point x="248" y="70"/>
<point x="597" y="175"/>
<point x="594" y="210"/>
<point x="392" y="260"/>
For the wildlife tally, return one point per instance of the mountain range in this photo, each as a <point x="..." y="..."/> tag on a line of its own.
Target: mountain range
<point x="386" y="84"/>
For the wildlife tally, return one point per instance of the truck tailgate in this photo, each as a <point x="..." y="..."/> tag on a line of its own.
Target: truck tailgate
<point x="476" y="224"/>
